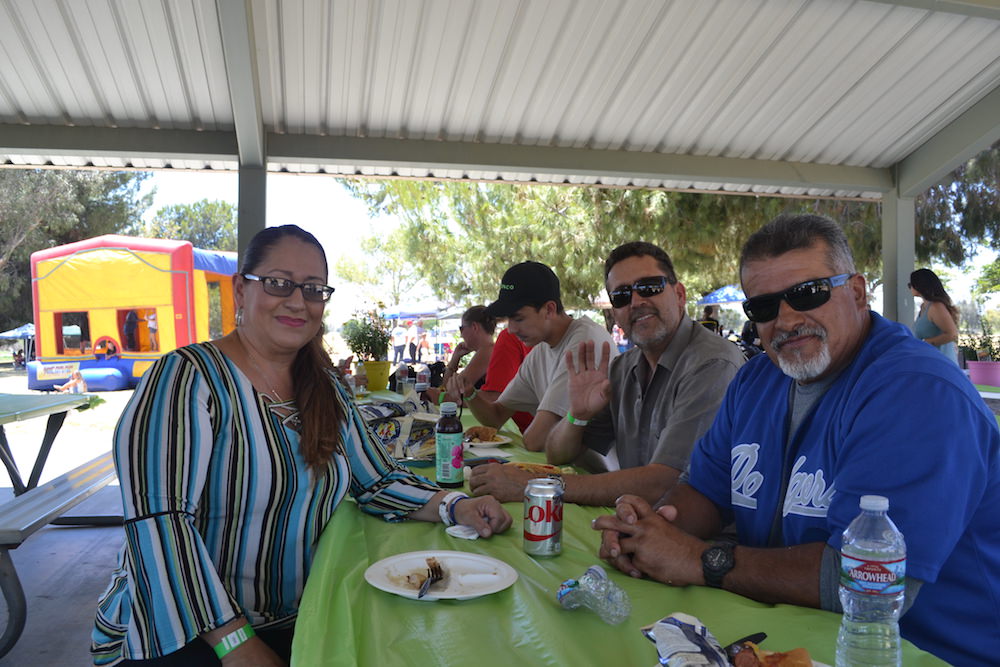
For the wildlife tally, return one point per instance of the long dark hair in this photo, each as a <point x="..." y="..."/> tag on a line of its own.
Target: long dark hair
<point x="315" y="394"/>
<point x="930" y="288"/>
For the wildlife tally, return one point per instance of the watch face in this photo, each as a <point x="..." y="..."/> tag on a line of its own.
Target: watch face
<point x="716" y="559"/>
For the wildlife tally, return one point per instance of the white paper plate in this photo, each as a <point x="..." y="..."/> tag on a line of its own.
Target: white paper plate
<point x="495" y="442"/>
<point x="467" y="575"/>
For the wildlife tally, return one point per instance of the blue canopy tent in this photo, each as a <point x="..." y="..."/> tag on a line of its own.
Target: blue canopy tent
<point x="727" y="294"/>
<point x="26" y="333"/>
<point x="23" y="331"/>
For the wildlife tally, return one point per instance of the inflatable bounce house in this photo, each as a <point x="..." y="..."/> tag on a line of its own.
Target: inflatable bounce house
<point x="112" y="305"/>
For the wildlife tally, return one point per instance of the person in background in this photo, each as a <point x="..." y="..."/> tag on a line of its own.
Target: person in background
<point x="75" y="385"/>
<point x="130" y="329"/>
<point x="412" y="340"/>
<point x="493" y="365"/>
<point x="18" y="359"/>
<point x="424" y="343"/>
<point x="529" y="297"/>
<point x="709" y="321"/>
<point x="845" y="403"/>
<point x="152" y="327"/>
<point x="232" y="456"/>
<point x="398" y="334"/>
<point x="937" y="320"/>
<point x="660" y="396"/>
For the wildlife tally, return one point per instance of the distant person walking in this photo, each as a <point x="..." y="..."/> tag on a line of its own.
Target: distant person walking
<point x="398" y="342"/>
<point x="937" y="321"/>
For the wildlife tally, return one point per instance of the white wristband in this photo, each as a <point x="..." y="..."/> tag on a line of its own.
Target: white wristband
<point x="444" y="507"/>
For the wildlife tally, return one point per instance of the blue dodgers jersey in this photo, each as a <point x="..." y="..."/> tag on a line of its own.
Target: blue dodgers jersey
<point x="901" y="421"/>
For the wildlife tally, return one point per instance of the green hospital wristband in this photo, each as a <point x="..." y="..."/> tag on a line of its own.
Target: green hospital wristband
<point x="233" y="639"/>
<point x="578" y="422"/>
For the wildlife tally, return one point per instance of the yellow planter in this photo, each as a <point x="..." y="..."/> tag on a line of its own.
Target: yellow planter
<point x="378" y="374"/>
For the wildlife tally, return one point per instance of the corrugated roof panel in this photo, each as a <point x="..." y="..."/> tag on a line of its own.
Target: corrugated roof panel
<point x="900" y="88"/>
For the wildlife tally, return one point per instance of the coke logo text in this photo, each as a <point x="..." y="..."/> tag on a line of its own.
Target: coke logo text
<point x="551" y="512"/>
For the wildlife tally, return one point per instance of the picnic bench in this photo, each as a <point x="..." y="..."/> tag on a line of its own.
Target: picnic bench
<point x="38" y="507"/>
<point x="35" y="506"/>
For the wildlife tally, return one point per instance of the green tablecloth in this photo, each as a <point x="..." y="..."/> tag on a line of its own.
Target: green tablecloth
<point x="344" y="621"/>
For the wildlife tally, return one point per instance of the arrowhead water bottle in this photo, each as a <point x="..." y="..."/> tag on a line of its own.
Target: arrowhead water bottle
<point x="598" y="593"/>
<point x="872" y="575"/>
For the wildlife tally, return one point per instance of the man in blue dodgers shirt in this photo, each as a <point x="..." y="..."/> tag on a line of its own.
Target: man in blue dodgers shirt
<point x="846" y="403"/>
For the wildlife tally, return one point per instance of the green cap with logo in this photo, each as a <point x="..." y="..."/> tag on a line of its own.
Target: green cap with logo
<point x="524" y="284"/>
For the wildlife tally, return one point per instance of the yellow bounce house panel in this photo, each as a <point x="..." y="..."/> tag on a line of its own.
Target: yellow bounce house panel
<point x="113" y="305"/>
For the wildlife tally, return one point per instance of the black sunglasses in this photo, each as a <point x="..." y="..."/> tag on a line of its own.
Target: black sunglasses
<point x="804" y="296"/>
<point x="317" y="292"/>
<point x="645" y="287"/>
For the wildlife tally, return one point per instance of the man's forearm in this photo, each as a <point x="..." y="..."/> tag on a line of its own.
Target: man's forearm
<point x="649" y="482"/>
<point x="696" y="514"/>
<point x="564" y="443"/>
<point x="488" y="413"/>
<point x="788" y="575"/>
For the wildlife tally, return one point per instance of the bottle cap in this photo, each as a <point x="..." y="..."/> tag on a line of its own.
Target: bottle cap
<point x="449" y="407"/>
<point x="874" y="503"/>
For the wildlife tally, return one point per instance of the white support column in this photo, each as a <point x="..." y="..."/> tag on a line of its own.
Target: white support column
<point x="251" y="213"/>
<point x="898" y="244"/>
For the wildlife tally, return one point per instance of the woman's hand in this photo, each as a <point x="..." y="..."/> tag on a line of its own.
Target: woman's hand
<point x="484" y="513"/>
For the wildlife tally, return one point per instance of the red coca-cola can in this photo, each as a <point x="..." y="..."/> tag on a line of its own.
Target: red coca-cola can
<point x="543" y="513"/>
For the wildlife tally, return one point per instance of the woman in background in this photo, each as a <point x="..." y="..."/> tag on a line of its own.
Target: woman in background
<point x="937" y="321"/>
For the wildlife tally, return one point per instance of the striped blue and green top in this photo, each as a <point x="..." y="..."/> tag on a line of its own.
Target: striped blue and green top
<point x="222" y="512"/>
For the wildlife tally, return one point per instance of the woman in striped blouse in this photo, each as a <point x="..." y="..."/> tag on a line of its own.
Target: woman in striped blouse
<point x="232" y="457"/>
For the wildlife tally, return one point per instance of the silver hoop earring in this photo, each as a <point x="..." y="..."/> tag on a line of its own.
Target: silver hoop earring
<point x="239" y="316"/>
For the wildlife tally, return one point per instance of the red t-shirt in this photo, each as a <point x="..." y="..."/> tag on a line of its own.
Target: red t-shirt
<point x="508" y="353"/>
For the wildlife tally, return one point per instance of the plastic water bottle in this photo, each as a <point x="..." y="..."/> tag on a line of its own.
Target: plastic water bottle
<point x="402" y="374"/>
<point x="423" y="378"/>
<point x="872" y="587"/>
<point x="598" y="593"/>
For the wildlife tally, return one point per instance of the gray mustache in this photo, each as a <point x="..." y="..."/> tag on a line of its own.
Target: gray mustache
<point x="781" y="338"/>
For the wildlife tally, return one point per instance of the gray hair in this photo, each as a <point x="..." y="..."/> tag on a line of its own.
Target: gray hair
<point x="795" y="232"/>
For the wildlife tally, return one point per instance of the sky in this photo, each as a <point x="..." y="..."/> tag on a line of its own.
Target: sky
<point x="317" y="203"/>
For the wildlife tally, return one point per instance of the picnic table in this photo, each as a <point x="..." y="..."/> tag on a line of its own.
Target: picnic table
<point x="22" y="407"/>
<point x="345" y="621"/>
<point x="34" y="506"/>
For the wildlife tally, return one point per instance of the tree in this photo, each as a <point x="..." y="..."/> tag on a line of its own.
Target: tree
<point x="463" y="236"/>
<point x="955" y="216"/>
<point x="387" y="274"/>
<point x="44" y="208"/>
<point x="206" y="224"/>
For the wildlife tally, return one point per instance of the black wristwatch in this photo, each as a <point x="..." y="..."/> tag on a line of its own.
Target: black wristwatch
<point x="716" y="562"/>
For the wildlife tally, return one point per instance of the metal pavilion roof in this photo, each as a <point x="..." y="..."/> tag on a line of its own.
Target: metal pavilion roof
<point x="809" y="97"/>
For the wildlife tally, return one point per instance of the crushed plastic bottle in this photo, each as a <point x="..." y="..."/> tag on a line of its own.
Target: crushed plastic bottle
<point x="598" y="593"/>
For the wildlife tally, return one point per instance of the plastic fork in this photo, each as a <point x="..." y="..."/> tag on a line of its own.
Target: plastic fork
<point x="434" y="575"/>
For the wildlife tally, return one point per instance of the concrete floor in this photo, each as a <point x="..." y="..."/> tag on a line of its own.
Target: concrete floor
<point x="63" y="570"/>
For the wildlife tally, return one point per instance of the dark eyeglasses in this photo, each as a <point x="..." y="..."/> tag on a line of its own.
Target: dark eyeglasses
<point x="645" y="287"/>
<point x="317" y="292"/>
<point x="804" y="296"/>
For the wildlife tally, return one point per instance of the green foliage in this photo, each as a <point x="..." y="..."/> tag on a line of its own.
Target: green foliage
<point x="367" y="335"/>
<point x="44" y="208"/>
<point x="382" y="266"/>
<point x="989" y="280"/>
<point x="463" y="236"/>
<point x="961" y="212"/>
<point x="210" y="225"/>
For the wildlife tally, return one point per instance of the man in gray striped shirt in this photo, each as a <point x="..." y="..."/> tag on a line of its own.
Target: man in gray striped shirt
<point x="661" y="396"/>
